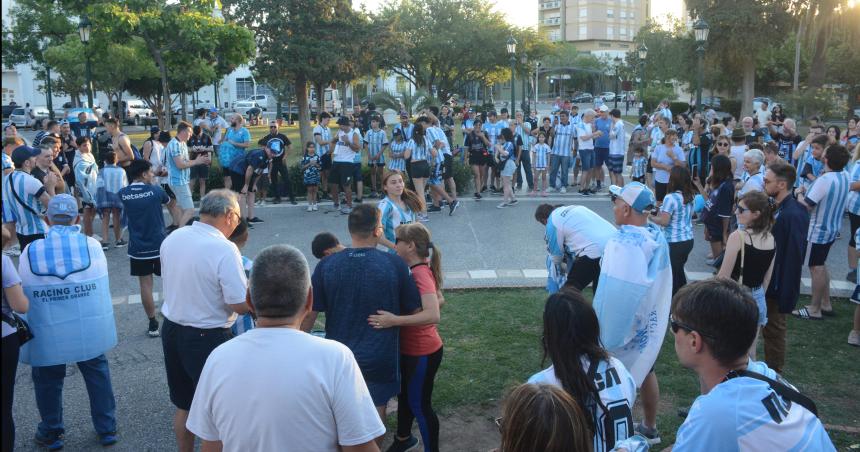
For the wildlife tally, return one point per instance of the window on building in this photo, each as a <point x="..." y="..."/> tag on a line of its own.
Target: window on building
<point x="630" y="15"/>
<point x="244" y="88"/>
<point x="623" y="14"/>
<point x="610" y="13"/>
<point x="583" y="31"/>
<point x="623" y="31"/>
<point x="610" y="32"/>
<point x="583" y="12"/>
<point x="402" y="84"/>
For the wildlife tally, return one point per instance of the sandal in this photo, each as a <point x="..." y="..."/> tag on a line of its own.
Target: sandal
<point x="803" y="314"/>
<point x="826" y="312"/>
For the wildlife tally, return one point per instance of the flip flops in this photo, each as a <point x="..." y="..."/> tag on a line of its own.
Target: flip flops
<point x="803" y="313"/>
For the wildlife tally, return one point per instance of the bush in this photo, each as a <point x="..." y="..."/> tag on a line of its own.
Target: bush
<point x="732" y="107"/>
<point x="679" y="107"/>
<point x="654" y="94"/>
<point x="811" y="102"/>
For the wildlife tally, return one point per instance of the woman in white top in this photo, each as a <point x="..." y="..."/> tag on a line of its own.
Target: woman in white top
<point x="157" y="155"/>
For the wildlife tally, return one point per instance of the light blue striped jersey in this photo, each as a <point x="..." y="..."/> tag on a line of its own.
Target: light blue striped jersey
<point x="524" y="132"/>
<point x="397" y="162"/>
<point x="376" y="140"/>
<point x="406" y="131"/>
<point x="86" y="176"/>
<point x="854" y="196"/>
<point x="325" y="135"/>
<point x="244" y="322"/>
<point x="420" y="151"/>
<point x="680" y="227"/>
<point x="112" y="178"/>
<point x="436" y="134"/>
<point x="28" y="189"/>
<point x="357" y="158"/>
<point x="640" y="165"/>
<point x="7" y="162"/>
<point x="830" y="194"/>
<point x="656" y="138"/>
<point x="175" y="175"/>
<point x="617" y="391"/>
<point x="562" y="142"/>
<point x="393" y="216"/>
<point x="744" y="413"/>
<point x="493" y="130"/>
<point x="541" y="151"/>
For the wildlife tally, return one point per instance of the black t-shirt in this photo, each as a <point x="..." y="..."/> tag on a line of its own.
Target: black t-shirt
<point x="786" y="146"/>
<point x="39" y="174"/>
<point x="474" y="143"/>
<point x="200" y="144"/>
<point x="276" y="136"/>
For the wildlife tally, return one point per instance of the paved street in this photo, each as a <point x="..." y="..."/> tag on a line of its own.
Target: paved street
<point x="482" y="247"/>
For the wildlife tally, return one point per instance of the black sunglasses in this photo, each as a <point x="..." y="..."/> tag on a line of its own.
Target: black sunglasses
<point x="679" y="325"/>
<point x="722" y="144"/>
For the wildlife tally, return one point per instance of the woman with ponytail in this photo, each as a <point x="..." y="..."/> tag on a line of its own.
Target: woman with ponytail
<point x="750" y="250"/>
<point x="399" y="206"/>
<point x="599" y="383"/>
<point x="420" y="344"/>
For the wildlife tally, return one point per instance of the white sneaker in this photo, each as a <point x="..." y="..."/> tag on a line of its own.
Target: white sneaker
<point x="562" y="190"/>
<point x="502" y="205"/>
<point x="854" y="338"/>
<point x="550" y="190"/>
<point x="310" y="207"/>
<point x="316" y="207"/>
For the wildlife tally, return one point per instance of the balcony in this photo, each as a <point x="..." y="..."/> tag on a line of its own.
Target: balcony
<point x="552" y="21"/>
<point x="550" y="5"/>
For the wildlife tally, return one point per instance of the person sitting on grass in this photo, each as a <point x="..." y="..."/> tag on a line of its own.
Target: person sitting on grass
<point x="600" y="384"/>
<point x="744" y="404"/>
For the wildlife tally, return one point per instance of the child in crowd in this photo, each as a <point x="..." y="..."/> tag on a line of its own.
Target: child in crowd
<point x="311" y="174"/>
<point x="640" y="164"/>
<point x="376" y="141"/>
<point x="239" y="237"/>
<point x="111" y="180"/>
<point x="398" y="147"/>
<point x="325" y="244"/>
<point x="398" y="207"/>
<point x="541" y="150"/>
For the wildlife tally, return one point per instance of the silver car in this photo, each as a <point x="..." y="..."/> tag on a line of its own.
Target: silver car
<point x="21" y="121"/>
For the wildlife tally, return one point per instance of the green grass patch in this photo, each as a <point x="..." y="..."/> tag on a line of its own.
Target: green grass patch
<point x="492" y="342"/>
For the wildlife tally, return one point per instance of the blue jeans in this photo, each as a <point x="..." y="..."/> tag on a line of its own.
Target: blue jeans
<point x="562" y="163"/>
<point x="48" y="385"/>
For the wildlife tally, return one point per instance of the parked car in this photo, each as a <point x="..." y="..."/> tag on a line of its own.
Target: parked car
<point x="608" y="96"/>
<point x="264" y="101"/>
<point x="7" y="110"/>
<point x="242" y="106"/>
<point x="713" y="102"/>
<point x="584" y="98"/>
<point x="136" y="111"/>
<point x="20" y="121"/>
<point x="71" y="114"/>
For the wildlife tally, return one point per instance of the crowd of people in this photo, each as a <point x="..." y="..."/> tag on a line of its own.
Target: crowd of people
<point x="769" y="202"/>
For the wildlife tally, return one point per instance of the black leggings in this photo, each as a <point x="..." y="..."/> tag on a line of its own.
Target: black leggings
<point x="417" y="375"/>
<point x="678" y="253"/>
<point x="10" y="366"/>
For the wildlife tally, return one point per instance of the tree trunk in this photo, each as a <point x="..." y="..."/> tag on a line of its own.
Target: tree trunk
<point x="183" y="100"/>
<point x="818" y="64"/>
<point x="320" y="91"/>
<point x="165" y="117"/>
<point x="748" y="87"/>
<point x="304" y="110"/>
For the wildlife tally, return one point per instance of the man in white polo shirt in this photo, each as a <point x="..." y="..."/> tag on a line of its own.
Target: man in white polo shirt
<point x="202" y="295"/>
<point x="277" y="387"/>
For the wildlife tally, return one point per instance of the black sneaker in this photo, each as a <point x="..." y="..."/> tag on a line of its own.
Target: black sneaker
<point x="477" y="195"/>
<point x="276" y="200"/>
<point x="293" y="201"/>
<point x="359" y="200"/>
<point x="453" y="207"/>
<point x="651" y="434"/>
<point x="50" y="441"/>
<point x="255" y="220"/>
<point x="121" y="243"/>
<point x="105" y="246"/>
<point x="153" y="328"/>
<point x="434" y="208"/>
<point x="851" y="276"/>
<point x="108" y="439"/>
<point x="403" y="445"/>
<point x="587" y="192"/>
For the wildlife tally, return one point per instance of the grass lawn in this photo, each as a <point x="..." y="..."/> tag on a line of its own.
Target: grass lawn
<point x="492" y="342"/>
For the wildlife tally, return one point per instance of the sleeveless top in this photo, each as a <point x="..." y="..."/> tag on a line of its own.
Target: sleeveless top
<point x="756" y="263"/>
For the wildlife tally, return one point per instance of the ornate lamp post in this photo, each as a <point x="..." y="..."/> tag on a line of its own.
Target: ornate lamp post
<point x="643" y="54"/>
<point x="524" y="105"/>
<point x="701" y="30"/>
<point x="84" y="29"/>
<point x="512" y="51"/>
<point x="617" y="61"/>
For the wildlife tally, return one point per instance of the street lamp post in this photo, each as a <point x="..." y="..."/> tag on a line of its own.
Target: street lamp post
<point x="524" y="105"/>
<point x="643" y="54"/>
<point x="512" y="51"/>
<point x="48" y="93"/>
<point x="617" y="61"/>
<point x="701" y="31"/>
<point x="84" y="29"/>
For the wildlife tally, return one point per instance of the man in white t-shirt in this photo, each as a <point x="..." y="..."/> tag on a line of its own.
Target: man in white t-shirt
<point x="744" y="405"/>
<point x="763" y="115"/>
<point x="216" y="125"/>
<point x="348" y="144"/>
<point x="204" y="289"/>
<point x="737" y="151"/>
<point x="278" y="388"/>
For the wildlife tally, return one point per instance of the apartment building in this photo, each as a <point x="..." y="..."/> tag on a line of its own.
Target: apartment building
<point x="601" y="27"/>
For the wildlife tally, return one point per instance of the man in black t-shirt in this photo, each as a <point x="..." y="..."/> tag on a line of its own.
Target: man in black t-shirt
<point x="279" y="168"/>
<point x="200" y="144"/>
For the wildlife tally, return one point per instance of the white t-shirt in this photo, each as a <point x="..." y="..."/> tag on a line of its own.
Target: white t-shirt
<point x="617" y="139"/>
<point x="159" y="160"/>
<point x="585" y="128"/>
<point x="280" y="389"/>
<point x="217" y="124"/>
<point x="342" y="152"/>
<point x="736" y="153"/>
<point x="202" y="274"/>
<point x="763" y="117"/>
<point x="617" y="391"/>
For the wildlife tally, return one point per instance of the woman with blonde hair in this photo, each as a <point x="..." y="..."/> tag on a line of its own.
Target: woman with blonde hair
<point x="420" y="343"/>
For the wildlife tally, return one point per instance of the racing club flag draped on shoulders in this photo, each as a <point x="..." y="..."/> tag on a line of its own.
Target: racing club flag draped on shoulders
<point x="633" y="297"/>
<point x="65" y="277"/>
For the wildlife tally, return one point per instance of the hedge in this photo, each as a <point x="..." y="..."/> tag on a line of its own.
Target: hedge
<point x="679" y="107"/>
<point x="732" y="107"/>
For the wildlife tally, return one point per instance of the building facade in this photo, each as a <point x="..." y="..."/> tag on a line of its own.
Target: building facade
<point x="601" y="27"/>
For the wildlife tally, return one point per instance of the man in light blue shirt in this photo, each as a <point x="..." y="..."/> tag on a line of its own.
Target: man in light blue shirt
<point x="744" y="404"/>
<point x="24" y="197"/>
<point x="562" y="145"/>
<point x="179" y="170"/>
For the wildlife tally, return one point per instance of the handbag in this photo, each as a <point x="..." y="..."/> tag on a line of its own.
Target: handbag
<point x="22" y="328"/>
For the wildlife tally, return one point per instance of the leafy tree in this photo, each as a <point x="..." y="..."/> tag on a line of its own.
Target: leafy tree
<point x="410" y="102"/>
<point x="67" y="62"/>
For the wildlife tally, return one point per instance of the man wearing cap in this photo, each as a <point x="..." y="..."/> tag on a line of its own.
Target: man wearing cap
<point x="65" y="277"/>
<point x="634" y="293"/>
<point x="215" y="125"/>
<point x="280" y="141"/>
<point x="24" y="196"/>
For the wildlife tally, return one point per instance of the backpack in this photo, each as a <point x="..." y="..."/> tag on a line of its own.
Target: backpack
<point x="135" y="152"/>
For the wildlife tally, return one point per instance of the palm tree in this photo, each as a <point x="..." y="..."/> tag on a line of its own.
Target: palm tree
<point x="405" y="101"/>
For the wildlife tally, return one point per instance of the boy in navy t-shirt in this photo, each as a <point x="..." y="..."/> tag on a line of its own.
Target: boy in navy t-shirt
<point x="358" y="282"/>
<point x="142" y="202"/>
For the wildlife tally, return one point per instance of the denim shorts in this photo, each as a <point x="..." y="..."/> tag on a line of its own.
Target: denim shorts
<point x="586" y="157"/>
<point x="183" y="196"/>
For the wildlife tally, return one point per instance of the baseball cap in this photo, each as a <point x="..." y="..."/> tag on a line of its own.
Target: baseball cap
<point x="275" y="146"/>
<point x="404" y="115"/>
<point x="213" y="110"/>
<point x="154" y="129"/>
<point x="635" y="194"/>
<point x="604" y="108"/>
<point x="62" y="207"/>
<point x="23" y="153"/>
